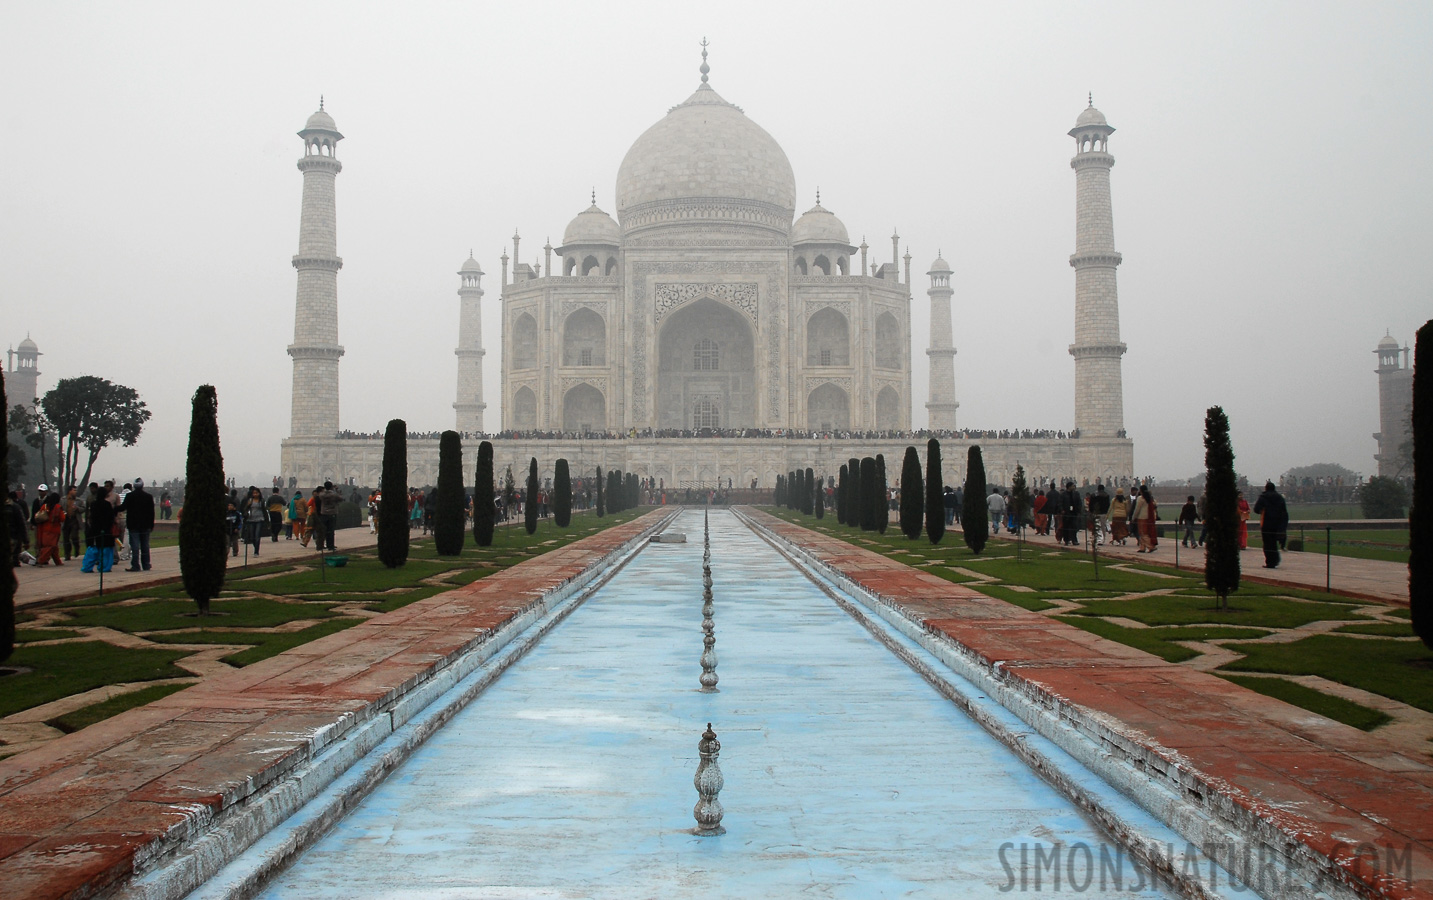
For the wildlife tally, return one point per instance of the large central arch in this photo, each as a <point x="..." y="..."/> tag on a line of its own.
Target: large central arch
<point x="706" y="351"/>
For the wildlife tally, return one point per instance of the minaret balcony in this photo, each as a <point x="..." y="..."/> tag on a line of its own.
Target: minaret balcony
<point x="1097" y="351"/>
<point x="1099" y="258"/>
<point x="318" y="262"/>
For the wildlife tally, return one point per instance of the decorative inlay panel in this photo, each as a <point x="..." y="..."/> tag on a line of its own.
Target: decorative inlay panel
<point x="669" y="297"/>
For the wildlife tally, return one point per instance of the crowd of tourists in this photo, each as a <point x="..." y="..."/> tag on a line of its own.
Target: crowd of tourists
<point x="54" y="526"/>
<point x="535" y="434"/>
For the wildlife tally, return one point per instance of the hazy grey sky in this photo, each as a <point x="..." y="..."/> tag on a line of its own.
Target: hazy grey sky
<point x="1271" y="192"/>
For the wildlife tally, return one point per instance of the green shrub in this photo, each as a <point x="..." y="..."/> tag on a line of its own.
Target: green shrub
<point x="393" y="511"/>
<point x="203" y="529"/>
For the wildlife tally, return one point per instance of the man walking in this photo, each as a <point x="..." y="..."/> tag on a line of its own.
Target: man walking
<point x="138" y="509"/>
<point x="1100" y="507"/>
<point x="1273" y="523"/>
<point x="996" y="504"/>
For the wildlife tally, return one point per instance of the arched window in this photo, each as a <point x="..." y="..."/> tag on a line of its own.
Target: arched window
<point x="524" y="343"/>
<point x="822" y="265"/>
<point x="590" y="264"/>
<point x="569" y="266"/>
<point x="888" y="409"/>
<point x="888" y="342"/>
<point x="524" y="409"/>
<point x="828" y="340"/>
<point x="801" y="264"/>
<point x="706" y="357"/>
<point x="584" y="339"/>
<point x="706" y="414"/>
<point x="842" y="265"/>
<point x="611" y="265"/>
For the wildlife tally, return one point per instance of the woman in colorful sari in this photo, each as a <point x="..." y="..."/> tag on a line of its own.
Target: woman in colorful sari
<point x="1040" y="517"/>
<point x="1119" y="518"/>
<point x="1244" y="511"/>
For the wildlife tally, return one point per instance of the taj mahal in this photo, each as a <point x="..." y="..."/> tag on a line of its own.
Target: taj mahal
<point x="707" y="333"/>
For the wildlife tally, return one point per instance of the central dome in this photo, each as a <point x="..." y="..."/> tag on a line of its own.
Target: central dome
<point x="706" y="162"/>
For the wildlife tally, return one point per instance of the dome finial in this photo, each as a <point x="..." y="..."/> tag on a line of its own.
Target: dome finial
<point x="594" y="196"/>
<point x="1092" y="99"/>
<point x="818" y="196"/>
<point x="705" y="68"/>
<point x="320" y="102"/>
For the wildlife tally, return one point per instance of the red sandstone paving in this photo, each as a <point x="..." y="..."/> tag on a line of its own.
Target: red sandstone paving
<point x="1325" y="784"/>
<point x="75" y="812"/>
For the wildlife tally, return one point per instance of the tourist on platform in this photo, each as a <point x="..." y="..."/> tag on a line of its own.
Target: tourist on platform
<point x="256" y="517"/>
<point x="1119" y="518"/>
<point x="166" y="506"/>
<point x="1273" y="523"/>
<point x="1243" y="508"/>
<point x="1201" y="508"/>
<point x="19" y="526"/>
<point x="49" y="521"/>
<point x="1037" y="509"/>
<point x="276" y="507"/>
<point x="138" y="509"/>
<point x="996" y="504"/>
<point x="1188" y="517"/>
<point x="74" y="509"/>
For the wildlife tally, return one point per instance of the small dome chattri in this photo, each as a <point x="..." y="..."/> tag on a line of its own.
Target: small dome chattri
<point x="1389" y="342"/>
<point x="592" y="226"/>
<point x="28" y="345"/>
<point x="818" y="225"/>
<point x="471" y="265"/>
<point x="1091" y="116"/>
<point x="940" y="265"/>
<point x="320" y="121"/>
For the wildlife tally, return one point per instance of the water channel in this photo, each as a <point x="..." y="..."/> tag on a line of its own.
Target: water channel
<point x="847" y="775"/>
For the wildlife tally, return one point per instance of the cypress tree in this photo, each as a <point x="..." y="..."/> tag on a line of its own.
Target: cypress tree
<point x="975" y="515"/>
<point x="1420" y="516"/>
<point x="448" y="530"/>
<point x="776" y="496"/>
<point x="562" y="495"/>
<point x="808" y="491"/>
<point x="8" y="581"/>
<point x="203" y="531"/>
<point x="1221" y="514"/>
<point x="529" y="506"/>
<point x="841" y="495"/>
<point x="934" y="495"/>
<point x="1020" y="498"/>
<point x="636" y="489"/>
<point x="868" y="494"/>
<point x="853" y="493"/>
<point x="393" y="512"/>
<point x="883" y="504"/>
<point x="483" y="511"/>
<point x="820" y="499"/>
<point x="601" y="495"/>
<point x="912" y="495"/>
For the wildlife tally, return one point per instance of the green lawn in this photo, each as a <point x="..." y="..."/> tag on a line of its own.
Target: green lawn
<point x="61" y="670"/>
<point x="1335" y="511"/>
<point x="1336" y="708"/>
<point x="1386" y="544"/>
<point x="98" y="712"/>
<point x="1257" y="612"/>
<point x="1401" y="670"/>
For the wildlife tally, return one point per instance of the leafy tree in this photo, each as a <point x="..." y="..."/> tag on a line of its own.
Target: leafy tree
<point x="509" y="488"/>
<point x="562" y="495"/>
<point x="8" y="582"/>
<point x="529" y="506"/>
<point x="483" y="511"/>
<point x="912" y="495"/>
<point x="1221" y="512"/>
<point x="601" y="495"/>
<point x="868" y="493"/>
<point x="90" y="413"/>
<point x="1322" y="470"/>
<point x="883" y="505"/>
<point x="393" y="511"/>
<point x="1420" y="517"/>
<point x="203" y="529"/>
<point x="934" y="493"/>
<point x="1383" y="498"/>
<point x="448" y="530"/>
<point x="974" y="514"/>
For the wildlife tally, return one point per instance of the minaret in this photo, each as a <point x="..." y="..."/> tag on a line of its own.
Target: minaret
<point x="942" y="405"/>
<point x="315" y="348"/>
<point x="1395" y="409"/>
<point x="22" y="380"/>
<point x="1099" y="392"/>
<point x="470" y="403"/>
